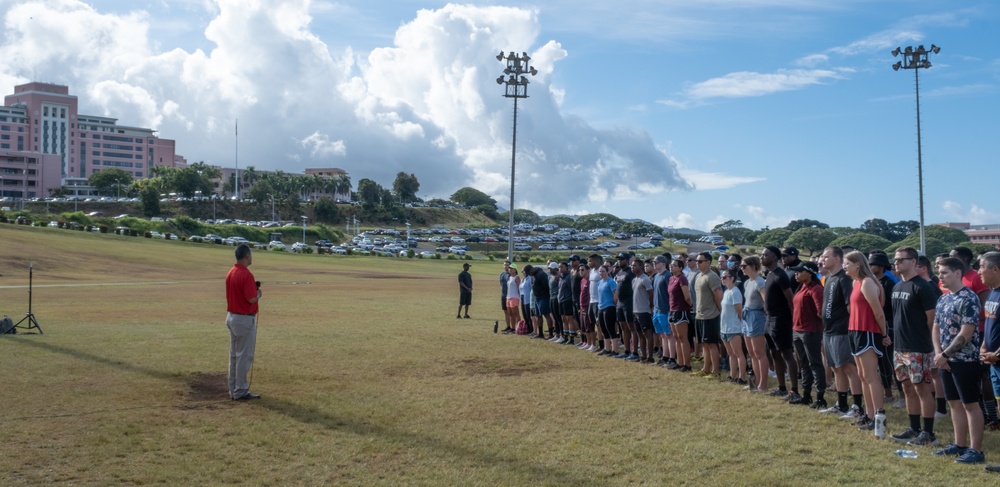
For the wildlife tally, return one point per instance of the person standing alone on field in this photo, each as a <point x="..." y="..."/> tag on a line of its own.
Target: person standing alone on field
<point x="242" y="294"/>
<point x="465" y="291"/>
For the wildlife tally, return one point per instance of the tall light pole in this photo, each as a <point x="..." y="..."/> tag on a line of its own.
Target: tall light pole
<point x="304" y="218"/>
<point x="916" y="59"/>
<point x="516" y="87"/>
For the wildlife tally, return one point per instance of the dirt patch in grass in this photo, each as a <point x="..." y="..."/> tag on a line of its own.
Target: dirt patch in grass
<point x="206" y="387"/>
<point x="505" y="368"/>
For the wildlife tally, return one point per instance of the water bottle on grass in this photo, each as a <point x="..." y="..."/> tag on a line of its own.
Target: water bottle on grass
<point x="906" y="453"/>
<point x="880" y="424"/>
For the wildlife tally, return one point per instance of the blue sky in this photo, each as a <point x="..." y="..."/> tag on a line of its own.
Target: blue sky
<point x="680" y="113"/>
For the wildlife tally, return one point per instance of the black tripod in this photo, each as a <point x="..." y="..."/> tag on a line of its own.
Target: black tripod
<point x="30" y="317"/>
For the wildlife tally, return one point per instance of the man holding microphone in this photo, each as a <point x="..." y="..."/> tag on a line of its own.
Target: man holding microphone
<point x="242" y="294"/>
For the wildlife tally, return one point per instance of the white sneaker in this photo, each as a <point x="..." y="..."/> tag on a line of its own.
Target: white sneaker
<point x="592" y="348"/>
<point x="899" y="403"/>
<point x="853" y="413"/>
<point x="561" y="340"/>
<point x="831" y="410"/>
<point x="940" y="415"/>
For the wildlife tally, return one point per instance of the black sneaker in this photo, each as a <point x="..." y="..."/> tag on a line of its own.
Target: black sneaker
<point x="906" y="436"/>
<point x="820" y="404"/>
<point x="804" y="400"/>
<point x="924" y="439"/>
<point x="867" y="425"/>
<point x="662" y="362"/>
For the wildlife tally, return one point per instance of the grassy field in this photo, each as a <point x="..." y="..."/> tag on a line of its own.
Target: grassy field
<point x="367" y="379"/>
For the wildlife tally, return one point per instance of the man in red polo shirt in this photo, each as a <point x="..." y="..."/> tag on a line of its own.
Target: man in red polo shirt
<point x="242" y="294"/>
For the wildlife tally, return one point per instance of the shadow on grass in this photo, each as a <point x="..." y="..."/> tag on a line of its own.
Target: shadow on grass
<point x="117" y="364"/>
<point x="446" y="450"/>
<point x="450" y="451"/>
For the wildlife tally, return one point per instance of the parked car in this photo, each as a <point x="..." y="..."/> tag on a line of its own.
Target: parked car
<point x="299" y="247"/>
<point x="338" y="250"/>
<point x="546" y="247"/>
<point x="457" y="250"/>
<point x="276" y="245"/>
<point x="522" y="247"/>
<point x="428" y="253"/>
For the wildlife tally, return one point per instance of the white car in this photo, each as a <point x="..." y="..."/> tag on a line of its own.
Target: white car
<point x="338" y="250"/>
<point x="276" y="245"/>
<point x="457" y="250"/>
<point x="428" y="253"/>
<point x="53" y="224"/>
<point x="299" y="247"/>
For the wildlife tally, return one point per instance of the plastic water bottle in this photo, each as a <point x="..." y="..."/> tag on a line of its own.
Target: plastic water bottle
<point x="496" y="325"/>
<point x="880" y="424"/>
<point x="906" y="453"/>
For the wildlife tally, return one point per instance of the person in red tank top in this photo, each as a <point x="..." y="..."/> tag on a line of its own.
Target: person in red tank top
<point x="866" y="328"/>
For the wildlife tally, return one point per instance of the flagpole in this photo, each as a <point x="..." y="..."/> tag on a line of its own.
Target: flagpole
<point x="237" y="189"/>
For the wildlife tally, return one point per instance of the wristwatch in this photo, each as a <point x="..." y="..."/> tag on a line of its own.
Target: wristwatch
<point x="945" y="355"/>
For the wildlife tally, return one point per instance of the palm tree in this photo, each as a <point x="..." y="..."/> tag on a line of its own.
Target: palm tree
<point x="344" y="186"/>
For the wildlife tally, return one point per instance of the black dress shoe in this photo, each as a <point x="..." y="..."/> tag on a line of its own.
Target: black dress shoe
<point x="248" y="396"/>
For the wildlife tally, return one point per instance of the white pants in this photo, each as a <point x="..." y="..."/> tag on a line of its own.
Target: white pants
<point x="242" y="341"/>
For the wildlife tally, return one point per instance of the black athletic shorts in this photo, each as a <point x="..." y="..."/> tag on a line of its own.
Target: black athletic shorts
<point x="778" y="333"/>
<point x="708" y="330"/>
<point x="644" y="321"/>
<point x="625" y="314"/>
<point x="961" y="382"/>
<point x="566" y="308"/>
<point x="464" y="298"/>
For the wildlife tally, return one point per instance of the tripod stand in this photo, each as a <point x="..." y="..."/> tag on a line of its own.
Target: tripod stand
<point x="30" y="317"/>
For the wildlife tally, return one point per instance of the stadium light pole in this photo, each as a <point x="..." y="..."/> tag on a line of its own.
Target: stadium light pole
<point x="304" y="218"/>
<point x="516" y="86"/>
<point x="916" y="59"/>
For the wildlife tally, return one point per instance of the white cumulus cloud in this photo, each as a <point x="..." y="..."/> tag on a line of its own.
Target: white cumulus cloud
<point x="426" y="103"/>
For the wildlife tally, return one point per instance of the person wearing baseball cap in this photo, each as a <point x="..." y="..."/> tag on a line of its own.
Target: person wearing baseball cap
<point x="789" y="259"/>
<point x="807" y="333"/>
<point x="624" y="308"/>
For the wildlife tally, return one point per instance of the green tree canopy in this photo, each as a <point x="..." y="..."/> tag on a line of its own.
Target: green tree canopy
<point x="111" y="181"/>
<point x="640" y="228"/>
<point x="934" y="245"/>
<point x="805" y="223"/>
<point x="775" y="237"/>
<point x="561" y="221"/>
<point x="471" y="197"/>
<point x="598" y="220"/>
<point x="149" y="201"/>
<point x="522" y="216"/>
<point x="861" y="241"/>
<point x="734" y="231"/>
<point x="948" y="237"/>
<point x="809" y="238"/>
<point x="326" y="210"/>
<point x="405" y="187"/>
<point x="369" y="193"/>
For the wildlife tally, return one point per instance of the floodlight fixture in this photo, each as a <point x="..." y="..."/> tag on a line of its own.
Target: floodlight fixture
<point x="917" y="59"/>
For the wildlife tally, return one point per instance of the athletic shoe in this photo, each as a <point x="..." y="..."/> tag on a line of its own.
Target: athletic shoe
<point x="899" y="403"/>
<point x="906" y="436"/>
<point x="741" y="382"/>
<point x="662" y="362"/>
<point x="971" y="456"/>
<point x="938" y="415"/>
<point x="792" y="398"/>
<point x="853" y="413"/>
<point x="560" y="340"/>
<point x="924" y="439"/>
<point x="459" y="317"/>
<point x="778" y="393"/>
<point x="712" y="376"/>
<point x="832" y="410"/>
<point x="993" y="468"/>
<point x="593" y="348"/>
<point x="819" y="405"/>
<point x="804" y="401"/>
<point x="623" y="355"/>
<point x="685" y="368"/>
<point x="632" y="358"/>
<point x="867" y="424"/>
<point x="992" y="424"/>
<point x="951" y="449"/>
<point x="699" y="373"/>
<point x="673" y="366"/>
